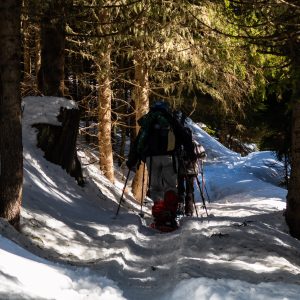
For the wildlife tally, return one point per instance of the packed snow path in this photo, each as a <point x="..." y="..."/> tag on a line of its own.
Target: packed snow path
<point x="241" y="251"/>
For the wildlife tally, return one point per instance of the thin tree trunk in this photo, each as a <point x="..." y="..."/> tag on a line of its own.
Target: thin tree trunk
<point x="293" y="197"/>
<point x="51" y="73"/>
<point x="123" y="123"/>
<point x="37" y="49"/>
<point x="122" y="146"/>
<point x="141" y="99"/>
<point x="286" y="170"/>
<point x="26" y="39"/>
<point x="11" y="157"/>
<point x="104" y="100"/>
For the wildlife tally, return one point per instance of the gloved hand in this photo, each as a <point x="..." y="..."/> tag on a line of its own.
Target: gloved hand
<point x="201" y="155"/>
<point x="131" y="164"/>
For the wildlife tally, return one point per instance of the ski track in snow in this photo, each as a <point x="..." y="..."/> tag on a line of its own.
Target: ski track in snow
<point x="244" y="238"/>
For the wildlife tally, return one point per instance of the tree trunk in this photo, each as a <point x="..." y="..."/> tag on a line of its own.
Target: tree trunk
<point x="37" y="49"/>
<point x="51" y="73"/>
<point x="141" y="99"/>
<point x="123" y="122"/>
<point x="293" y="197"/>
<point x="105" y="145"/>
<point x="122" y="146"/>
<point x="104" y="100"/>
<point x="11" y="150"/>
<point x="59" y="142"/>
<point x="26" y="39"/>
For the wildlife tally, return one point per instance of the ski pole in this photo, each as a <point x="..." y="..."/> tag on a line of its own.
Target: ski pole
<point x="123" y="192"/>
<point x="203" y="180"/>
<point x="201" y="189"/>
<point x="201" y="193"/>
<point x="195" y="204"/>
<point x="206" y="193"/>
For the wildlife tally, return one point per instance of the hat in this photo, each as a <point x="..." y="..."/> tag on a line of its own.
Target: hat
<point x="161" y="105"/>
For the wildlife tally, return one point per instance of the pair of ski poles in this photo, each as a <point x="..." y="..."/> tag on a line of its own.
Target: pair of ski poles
<point x="198" y="184"/>
<point x="201" y="190"/>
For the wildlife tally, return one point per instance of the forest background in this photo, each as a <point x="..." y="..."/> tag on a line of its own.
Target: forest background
<point x="233" y="65"/>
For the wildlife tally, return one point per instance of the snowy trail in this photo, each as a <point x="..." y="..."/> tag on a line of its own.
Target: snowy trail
<point x="242" y="251"/>
<point x="240" y="241"/>
<point x="209" y="248"/>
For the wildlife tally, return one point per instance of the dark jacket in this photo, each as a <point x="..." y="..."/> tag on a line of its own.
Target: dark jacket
<point x="182" y="138"/>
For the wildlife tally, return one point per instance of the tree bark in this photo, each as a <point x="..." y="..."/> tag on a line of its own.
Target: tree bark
<point x="37" y="49"/>
<point x="105" y="145"/>
<point x="11" y="149"/>
<point x="59" y="142"/>
<point x="141" y="99"/>
<point x="26" y="39"/>
<point x="104" y="100"/>
<point x="51" y="72"/>
<point x="293" y="197"/>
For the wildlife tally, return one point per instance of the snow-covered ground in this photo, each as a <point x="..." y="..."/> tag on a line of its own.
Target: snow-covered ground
<point x="72" y="245"/>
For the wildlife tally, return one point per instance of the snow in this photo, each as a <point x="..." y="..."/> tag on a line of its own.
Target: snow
<point x="73" y="246"/>
<point x="47" y="280"/>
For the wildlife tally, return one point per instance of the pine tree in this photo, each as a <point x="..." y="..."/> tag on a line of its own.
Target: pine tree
<point x="11" y="157"/>
<point x="272" y="27"/>
<point x="51" y="72"/>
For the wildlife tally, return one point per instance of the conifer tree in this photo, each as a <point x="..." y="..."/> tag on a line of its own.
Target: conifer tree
<point x="51" y="72"/>
<point x="170" y="53"/>
<point x="11" y="157"/>
<point x="182" y="56"/>
<point x="31" y="45"/>
<point x="273" y="28"/>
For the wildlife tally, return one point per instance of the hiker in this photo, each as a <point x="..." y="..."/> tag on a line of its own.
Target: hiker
<point x="187" y="171"/>
<point x="157" y="144"/>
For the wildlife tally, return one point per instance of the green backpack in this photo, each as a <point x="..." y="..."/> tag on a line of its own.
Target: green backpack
<point x="156" y="135"/>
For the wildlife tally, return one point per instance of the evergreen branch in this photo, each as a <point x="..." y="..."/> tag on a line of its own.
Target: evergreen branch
<point x="108" y="6"/>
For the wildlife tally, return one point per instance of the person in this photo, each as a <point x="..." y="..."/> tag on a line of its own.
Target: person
<point x="157" y="144"/>
<point x="187" y="171"/>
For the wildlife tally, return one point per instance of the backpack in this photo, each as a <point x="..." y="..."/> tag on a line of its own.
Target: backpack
<point x="156" y="136"/>
<point x="188" y="165"/>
